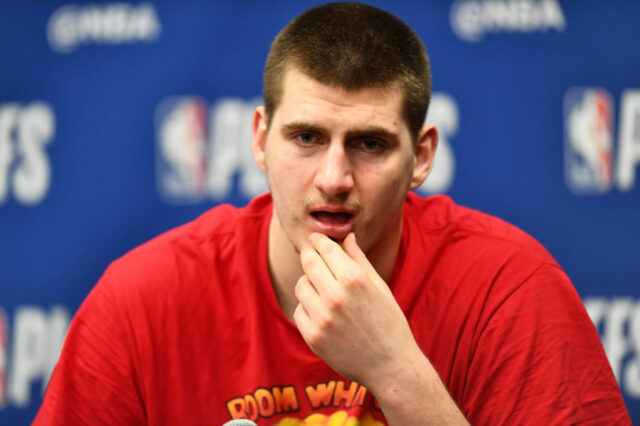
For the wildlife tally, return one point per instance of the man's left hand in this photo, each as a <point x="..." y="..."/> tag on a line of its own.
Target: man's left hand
<point x="347" y="313"/>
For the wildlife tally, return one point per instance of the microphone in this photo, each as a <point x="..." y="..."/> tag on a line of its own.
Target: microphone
<point x="240" y="422"/>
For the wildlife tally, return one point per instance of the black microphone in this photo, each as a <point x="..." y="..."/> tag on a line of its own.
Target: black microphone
<point x="240" y="422"/>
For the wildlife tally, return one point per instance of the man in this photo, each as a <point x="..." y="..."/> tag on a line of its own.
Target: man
<point x="340" y="297"/>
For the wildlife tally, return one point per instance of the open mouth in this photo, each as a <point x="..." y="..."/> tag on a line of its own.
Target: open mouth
<point x="334" y="224"/>
<point x="333" y="218"/>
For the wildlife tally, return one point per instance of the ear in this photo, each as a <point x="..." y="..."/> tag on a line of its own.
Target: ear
<point x="259" y="137"/>
<point x="425" y="152"/>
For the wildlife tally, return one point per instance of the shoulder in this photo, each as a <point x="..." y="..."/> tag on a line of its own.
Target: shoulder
<point x="440" y="214"/>
<point x="463" y="228"/>
<point x="468" y="251"/>
<point x="192" y="250"/>
<point x="221" y="222"/>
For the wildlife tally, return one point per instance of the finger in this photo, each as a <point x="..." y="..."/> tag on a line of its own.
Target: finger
<point x="308" y="297"/>
<point x="301" y="318"/>
<point x="332" y="254"/>
<point x="304" y="323"/>
<point x="316" y="270"/>
<point x="351" y="247"/>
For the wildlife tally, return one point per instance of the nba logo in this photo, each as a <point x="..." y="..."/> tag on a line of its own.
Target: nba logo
<point x="181" y="167"/>
<point x="4" y="348"/>
<point x="588" y="140"/>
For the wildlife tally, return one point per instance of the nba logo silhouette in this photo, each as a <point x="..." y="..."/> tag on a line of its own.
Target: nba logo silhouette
<point x="4" y="348"/>
<point x="181" y="145"/>
<point x="588" y="140"/>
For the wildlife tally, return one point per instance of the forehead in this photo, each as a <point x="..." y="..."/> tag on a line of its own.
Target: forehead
<point x="307" y="100"/>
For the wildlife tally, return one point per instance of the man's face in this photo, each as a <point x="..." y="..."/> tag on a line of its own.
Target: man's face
<point x="338" y="161"/>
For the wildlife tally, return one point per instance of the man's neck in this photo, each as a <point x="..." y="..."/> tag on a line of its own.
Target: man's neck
<point x="285" y="268"/>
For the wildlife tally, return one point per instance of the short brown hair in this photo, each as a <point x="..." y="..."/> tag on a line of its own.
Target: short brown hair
<point x="353" y="46"/>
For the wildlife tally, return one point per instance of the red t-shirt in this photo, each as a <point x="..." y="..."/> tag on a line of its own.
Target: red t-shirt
<point x="186" y="329"/>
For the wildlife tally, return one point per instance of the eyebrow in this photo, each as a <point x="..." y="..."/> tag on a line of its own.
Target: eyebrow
<point x="371" y="132"/>
<point x="299" y="126"/>
<point x="367" y="132"/>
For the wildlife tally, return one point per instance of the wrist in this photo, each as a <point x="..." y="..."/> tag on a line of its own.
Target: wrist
<point x="414" y="394"/>
<point x="389" y="384"/>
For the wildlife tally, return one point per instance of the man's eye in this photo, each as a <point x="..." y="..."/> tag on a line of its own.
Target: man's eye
<point x="371" y="145"/>
<point x="306" y="138"/>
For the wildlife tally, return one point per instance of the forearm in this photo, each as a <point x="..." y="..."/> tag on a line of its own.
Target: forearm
<point x="413" y="394"/>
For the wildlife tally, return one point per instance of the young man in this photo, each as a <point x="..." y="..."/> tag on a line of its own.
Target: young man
<point x="340" y="297"/>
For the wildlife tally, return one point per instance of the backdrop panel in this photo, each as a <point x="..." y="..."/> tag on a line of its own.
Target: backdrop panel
<point x="119" y="120"/>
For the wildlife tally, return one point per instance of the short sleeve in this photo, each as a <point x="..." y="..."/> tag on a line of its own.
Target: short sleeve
<point x="94" y="380"/>
<point x="539" y="360"/>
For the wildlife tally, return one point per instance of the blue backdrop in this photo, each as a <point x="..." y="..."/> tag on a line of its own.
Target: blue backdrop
<point x="121" y="120"/>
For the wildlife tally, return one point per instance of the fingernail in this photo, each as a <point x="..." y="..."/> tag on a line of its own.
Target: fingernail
<point x="313" y="237"/>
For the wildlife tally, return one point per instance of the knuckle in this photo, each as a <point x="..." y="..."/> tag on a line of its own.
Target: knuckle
<point x="298" y="313"/>
<point x="325" y="322"/>
<point x="353" y="279"/>
<point x="299" y="287"/>
<point x="315" y="337"/>
<point x="335" y="302"/>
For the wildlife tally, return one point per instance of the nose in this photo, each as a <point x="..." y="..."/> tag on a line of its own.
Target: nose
<point x="334" y="175"/>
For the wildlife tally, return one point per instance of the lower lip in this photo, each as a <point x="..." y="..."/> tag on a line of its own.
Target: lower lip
<point x="332" y="230"/>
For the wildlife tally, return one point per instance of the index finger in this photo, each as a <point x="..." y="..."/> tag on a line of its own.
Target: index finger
<point x="315" y="268"/>
<point x="333" y="255"/>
